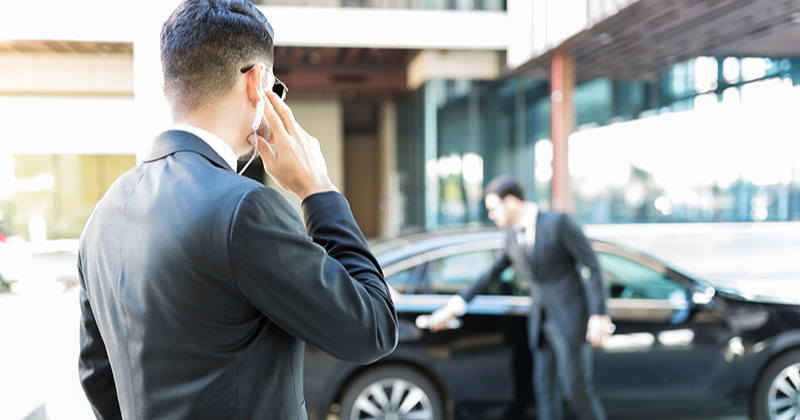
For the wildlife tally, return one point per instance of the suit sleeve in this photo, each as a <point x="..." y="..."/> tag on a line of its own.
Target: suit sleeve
<point x="94" y="369"/>
<point x="581" y="251"/>
<point x="320" y="284"/>
<point x="501" y="262"/>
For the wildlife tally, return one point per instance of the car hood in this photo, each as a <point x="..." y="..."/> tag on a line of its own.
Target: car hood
<point x="761" y="293"/>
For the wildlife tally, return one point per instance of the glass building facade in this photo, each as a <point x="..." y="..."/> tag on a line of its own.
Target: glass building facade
<point x="708" y="140"/>
<point x="455" y="135"/>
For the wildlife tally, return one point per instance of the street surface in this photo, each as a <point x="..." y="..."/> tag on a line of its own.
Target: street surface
<point x="39" y="372"/>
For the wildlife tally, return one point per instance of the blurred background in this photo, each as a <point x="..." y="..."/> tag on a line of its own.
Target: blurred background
<point x="669" y="126"/>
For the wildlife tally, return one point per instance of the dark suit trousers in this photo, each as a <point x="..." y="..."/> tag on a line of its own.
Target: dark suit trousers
<point x="564" y="372"/>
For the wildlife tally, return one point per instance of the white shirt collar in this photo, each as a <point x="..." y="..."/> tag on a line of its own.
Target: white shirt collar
<point x="216" y="143"/>
<point x="528" y="221"/>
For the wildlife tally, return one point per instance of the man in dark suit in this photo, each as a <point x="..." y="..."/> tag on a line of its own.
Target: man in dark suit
<point x="199" y="287"/>
<point x="568" y="313"/>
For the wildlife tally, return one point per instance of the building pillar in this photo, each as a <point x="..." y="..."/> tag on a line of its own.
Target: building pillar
<point x="562" y="124"/>
<point x="389" y="186"/>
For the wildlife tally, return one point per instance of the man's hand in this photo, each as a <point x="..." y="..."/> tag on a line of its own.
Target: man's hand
<point x="440" y="318"/>
<point x="599" y="327"/>
<point x="296" y="164"/>
<point x="455" y="307"/>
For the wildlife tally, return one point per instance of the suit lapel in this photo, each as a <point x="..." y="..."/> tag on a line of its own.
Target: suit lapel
<point x="173" y="141"/>
<point x="534" y="250"/>
<point x="517" y="249"/>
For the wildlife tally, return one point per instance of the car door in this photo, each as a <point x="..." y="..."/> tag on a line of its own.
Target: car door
<point x="667" y="352"/>
<point x="485" y="361"/>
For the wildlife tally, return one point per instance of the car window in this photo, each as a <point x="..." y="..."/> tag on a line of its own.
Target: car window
<point x="450" y="274"/>
<point x="628" y="279"/>
<point x="453" y="273"/>
<point x="510" y="284"/>
<point x="401" y="280"/>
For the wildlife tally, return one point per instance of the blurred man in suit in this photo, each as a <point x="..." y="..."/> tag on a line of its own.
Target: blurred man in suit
<point x="199" y="287"/>
<point x="568" y="313"/>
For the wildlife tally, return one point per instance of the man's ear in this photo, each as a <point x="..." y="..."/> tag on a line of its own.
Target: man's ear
<point x="254" y="76"/>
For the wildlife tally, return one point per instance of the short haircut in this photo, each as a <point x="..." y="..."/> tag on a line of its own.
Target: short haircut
<point x="505" y="185"/>
<point x="205" y="44"/>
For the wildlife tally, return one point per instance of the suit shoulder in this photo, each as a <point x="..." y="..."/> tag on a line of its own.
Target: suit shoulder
<point x="235" y="186"/>
<point x="263" y="193"/>
<point x="124" y="183"/>
<point x="552" y="216"/>
<point x="558" y="222"/>
<point x="265" y="200"/>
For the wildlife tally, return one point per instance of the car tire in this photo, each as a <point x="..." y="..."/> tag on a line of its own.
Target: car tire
<point x="391" y="392"/>
<point x="778" y="390"/>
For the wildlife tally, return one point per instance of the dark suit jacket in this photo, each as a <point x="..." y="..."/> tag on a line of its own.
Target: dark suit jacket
<point x="199" y="288"/>
<point x="559" y="291"/>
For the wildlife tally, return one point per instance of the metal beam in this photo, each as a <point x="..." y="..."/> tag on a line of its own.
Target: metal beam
<point x="562" y="86"/>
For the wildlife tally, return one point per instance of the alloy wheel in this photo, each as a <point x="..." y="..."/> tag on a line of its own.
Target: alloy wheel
<point x="392" y="399"/>
<point x="783" y="401"/>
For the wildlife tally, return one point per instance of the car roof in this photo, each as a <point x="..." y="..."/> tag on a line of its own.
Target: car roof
<point x="390" y="251"/>
<point x="419" y="242"/>
<point x="404" y="246"/>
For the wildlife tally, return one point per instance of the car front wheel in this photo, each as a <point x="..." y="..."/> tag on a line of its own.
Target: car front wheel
<point x="392" y="392"/>
<point x="778" y="393"/>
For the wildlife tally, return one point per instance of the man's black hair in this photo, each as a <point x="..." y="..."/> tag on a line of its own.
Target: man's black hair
<point x="505" y="185"/>
<point x="205" y="44"/>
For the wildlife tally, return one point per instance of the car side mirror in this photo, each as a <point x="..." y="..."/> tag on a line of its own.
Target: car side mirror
<point x="703" y="295"/>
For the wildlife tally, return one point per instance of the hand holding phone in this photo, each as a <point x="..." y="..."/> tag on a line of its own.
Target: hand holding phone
<point x="296" y="164"/>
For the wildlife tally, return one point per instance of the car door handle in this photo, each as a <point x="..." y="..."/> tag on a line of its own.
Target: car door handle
<point x="423" y="323"/>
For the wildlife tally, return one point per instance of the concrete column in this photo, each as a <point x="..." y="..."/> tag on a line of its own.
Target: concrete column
<point x="562" y="124"/>
<point x="389" y="184"/>
<point x="323" y="119"/>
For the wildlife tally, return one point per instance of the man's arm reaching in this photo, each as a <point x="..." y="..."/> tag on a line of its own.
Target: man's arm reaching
<point x="457" y="305"/>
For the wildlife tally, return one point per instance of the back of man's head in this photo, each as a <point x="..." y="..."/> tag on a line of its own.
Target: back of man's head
<point x="505" y="185"/>
<point x="205" y="44"/>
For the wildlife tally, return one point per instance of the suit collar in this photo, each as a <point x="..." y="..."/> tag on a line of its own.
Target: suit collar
<point x="216" y="143"/>
<point x="173" y="141"/>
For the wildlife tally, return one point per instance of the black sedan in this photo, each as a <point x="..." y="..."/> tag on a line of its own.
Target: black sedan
<point x="681" y="346"/>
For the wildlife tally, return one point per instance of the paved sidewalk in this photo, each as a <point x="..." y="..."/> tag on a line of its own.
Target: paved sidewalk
<point x="39" y="370"/>
<point x="23" y="326"/>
